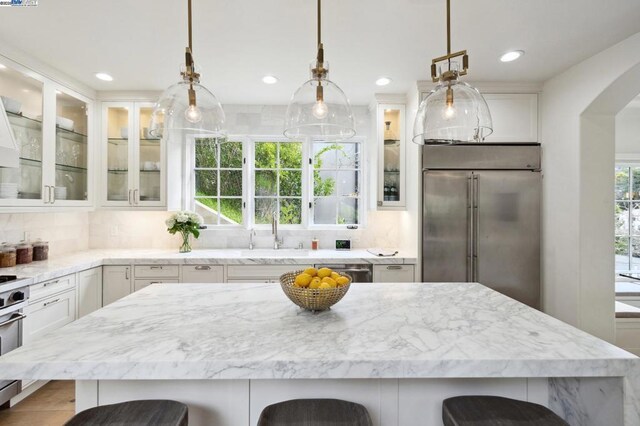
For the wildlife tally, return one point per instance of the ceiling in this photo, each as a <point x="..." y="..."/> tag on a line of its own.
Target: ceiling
<point x="236" y="42"/>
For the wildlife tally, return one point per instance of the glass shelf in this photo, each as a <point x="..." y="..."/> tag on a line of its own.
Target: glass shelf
<point x="30" y="162"/>
<point x="23" y="121"/>
<point x="392" y="172"/>
<point x="126" y="171"/>
<point x="68" y="168"/>
<point x="70" y="135"/>
<point x="143" y="142"/>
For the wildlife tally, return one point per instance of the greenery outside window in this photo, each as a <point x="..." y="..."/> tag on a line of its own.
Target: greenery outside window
<point x="218" y="177"/>
<point x="337" y="180"/>
<point x="627" y="218"/>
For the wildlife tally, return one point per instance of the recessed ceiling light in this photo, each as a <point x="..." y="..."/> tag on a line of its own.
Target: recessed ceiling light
<point x="104" y="76"/>
<point x="383" y="81"/>
<point x="511" y="56"/>
<point x="269" y="79"/>
<point x="2" y="66"/>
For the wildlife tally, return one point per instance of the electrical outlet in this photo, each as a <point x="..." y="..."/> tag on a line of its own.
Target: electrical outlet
<point x="27" y="236"/>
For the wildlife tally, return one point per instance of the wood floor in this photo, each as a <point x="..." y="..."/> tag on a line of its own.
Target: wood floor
<point x="51" y="405"/>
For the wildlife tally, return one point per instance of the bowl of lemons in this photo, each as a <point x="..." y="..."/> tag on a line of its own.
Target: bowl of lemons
<point x="315" y="289"/>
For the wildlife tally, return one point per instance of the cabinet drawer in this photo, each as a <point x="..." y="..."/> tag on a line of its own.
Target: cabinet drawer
<point x="47" y="288"/>
<point x="156" y="271"/>
<point x="393" y="273"/>
<point x="202" y="274"/>
<point x="140" y="284"/>
<point x="49" y="314"/>
<point x="261" y="272"/>
<point x="254" y="281"/>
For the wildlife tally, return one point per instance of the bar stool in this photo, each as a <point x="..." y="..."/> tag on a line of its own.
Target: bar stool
<point x="476" y="410"/>
<point x="139" y="413"/>
<point x="315" y="412"/>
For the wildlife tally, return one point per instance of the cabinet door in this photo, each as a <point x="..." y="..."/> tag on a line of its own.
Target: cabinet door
<point x="140" y="284"/>
<point x="23" y="98"/>
<point x="116" y="283"/>
<point x="118" y="150"/>
<point x="49" y="314"/>
<point x="391" y="156"/>
<point x="89" y="291"/>
<point x="514" y="115"/>
<point x="393" y="273"/>
<point x="72" y="158"/>
<point x="202" y="274"/>
<point x="149" y="181"/>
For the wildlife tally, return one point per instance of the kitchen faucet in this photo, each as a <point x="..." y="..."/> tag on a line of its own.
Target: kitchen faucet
<point x="252" y="233"/>
<point x="277" y="242"/>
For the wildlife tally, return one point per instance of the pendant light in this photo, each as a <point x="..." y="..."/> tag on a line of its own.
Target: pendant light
<point x="187" y="106"/>
<point x="453" y="112"/>
<point x="319" y="108"/>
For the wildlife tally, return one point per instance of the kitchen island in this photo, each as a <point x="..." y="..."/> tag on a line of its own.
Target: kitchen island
<point x="228" y="350"/>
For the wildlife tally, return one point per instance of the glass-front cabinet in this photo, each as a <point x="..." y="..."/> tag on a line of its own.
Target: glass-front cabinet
<point x="391" y="140"/>
<point x="133" y="160"/>
<point x="51" y="126"/>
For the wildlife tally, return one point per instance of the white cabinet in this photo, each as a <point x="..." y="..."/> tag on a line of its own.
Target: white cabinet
<point x="47" y="288"/>
<point x="514" y="115"/>
<point x="52" y="126"/>
<point x="89" y="291"/>
<point x="116" y="283"/>
<point x="202" y="274"/>
<point x="260" y="273"/>
<point x="49" y="314"/>
<point x="393" y="273"/>
<point x="133" y="164"/>
<point x="391" y="152"/>
<point x="140" y="284"/>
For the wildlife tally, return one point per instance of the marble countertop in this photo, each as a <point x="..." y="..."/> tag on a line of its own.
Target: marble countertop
<point x="252" y="331"/>
<point x="62" y="265"/>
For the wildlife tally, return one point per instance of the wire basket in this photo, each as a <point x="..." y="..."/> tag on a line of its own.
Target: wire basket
<point x="310" y="298"/>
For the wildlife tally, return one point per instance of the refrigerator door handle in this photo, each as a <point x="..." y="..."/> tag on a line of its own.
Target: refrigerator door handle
<point x="469" y="229"/>
<point x="476" y="220"/>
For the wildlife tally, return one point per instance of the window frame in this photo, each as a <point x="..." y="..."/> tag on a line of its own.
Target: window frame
<point x="629" y="234"/>
<point x="248" y="182"/>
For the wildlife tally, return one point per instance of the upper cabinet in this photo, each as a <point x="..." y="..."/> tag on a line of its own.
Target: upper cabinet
<point x="391" y="147"/>
<point x="515" y="117"/>
<point x="52" y="128"/>
<point x="133" y="161"/>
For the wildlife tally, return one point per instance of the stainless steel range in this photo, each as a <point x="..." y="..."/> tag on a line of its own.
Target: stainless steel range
<point x="14" y="296"/>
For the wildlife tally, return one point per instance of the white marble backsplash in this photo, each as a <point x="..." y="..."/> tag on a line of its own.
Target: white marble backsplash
<point x="146" y="229"/>
<point x="66" y="232"/>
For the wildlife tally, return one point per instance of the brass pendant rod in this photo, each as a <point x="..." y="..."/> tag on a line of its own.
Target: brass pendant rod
<point x="448" y="27"/>
<point x="319" y="23"/>
<point x="189" y="24"/>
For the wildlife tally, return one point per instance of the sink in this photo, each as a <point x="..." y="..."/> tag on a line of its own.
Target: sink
<point x="274" y="253"/>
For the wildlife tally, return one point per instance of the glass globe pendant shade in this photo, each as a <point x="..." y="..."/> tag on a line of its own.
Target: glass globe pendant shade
<point x="174" y="111"/>
<point x="319" y="108"/>
<point x="453" y="112"/>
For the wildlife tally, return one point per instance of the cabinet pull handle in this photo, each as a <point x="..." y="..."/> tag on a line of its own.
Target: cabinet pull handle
<point x="136" y="196"/>
<point x="129" y="197"/>
<point x="203" y="268"/>
<point x="156" y="282"/>
<point x="391" y="267"/>
<point x="126" y="273"/>
<point x="45" y="194"/>
<point x="156" y="267"/>
<point x="51" y="302"/>
<point x="51" y="283"/>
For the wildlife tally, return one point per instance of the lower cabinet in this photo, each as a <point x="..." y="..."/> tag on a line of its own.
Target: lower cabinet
<point x="48" y="314"/>
<point x="260" y="273"/>
<point x="140" y="284"/>
<point x="89" y="291"/>
<point x="202" y="274"/>
<point x="116" y="283"/>
<point x="393" y="273"/>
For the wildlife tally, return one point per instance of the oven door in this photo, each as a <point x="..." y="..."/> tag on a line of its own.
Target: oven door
<point x="10" y="339"/>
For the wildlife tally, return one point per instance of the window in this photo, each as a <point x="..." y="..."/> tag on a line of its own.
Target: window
<point x="219" y="181"/>
<point x="336" y="183"/>
<point x="278" y="182"/>
<point x="304" y="183"/>
<point x="627" y="218"/>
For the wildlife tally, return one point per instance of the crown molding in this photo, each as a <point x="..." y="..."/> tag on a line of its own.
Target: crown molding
<point x="128" y="95"/>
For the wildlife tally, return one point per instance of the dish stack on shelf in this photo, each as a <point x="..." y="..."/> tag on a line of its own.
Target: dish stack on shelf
<point x="60" y="192"/>
<point x="8" y="190"/>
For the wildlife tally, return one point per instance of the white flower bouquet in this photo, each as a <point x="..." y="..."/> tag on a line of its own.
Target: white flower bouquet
<point x="186" y="223"/>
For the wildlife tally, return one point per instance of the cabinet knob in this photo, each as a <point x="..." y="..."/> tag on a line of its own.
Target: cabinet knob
<point x="203" y="268"/>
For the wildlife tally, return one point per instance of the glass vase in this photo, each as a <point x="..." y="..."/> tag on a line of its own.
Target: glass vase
<point x="186" y="244"/>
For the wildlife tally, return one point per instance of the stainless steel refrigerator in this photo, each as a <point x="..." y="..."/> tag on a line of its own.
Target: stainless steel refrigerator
<point x="481" y="217"/>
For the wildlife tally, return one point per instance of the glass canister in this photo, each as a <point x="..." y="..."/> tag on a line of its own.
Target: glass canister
<point x="40" y="250"/>
<point x="7" y="256"/>
<point x="24" y="253"/>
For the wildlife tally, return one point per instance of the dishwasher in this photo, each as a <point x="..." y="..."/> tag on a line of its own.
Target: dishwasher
<point x="360" y="273"/>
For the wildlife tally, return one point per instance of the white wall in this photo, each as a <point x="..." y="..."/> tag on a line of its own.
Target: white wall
<point x="628" y="131"/>
<point x="578" y="155"/>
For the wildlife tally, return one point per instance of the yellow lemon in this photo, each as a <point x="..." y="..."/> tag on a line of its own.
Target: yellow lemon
<point x="315" y="283"/>
<point x="303" y="280"/>
<point x="325" y="285"/>
<point x="342" y="281"/>
<point x="324" y="272"/>
<point x="328" y="280"/>
<point x="335" y="275"/>
<point x="311" y="271"/>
